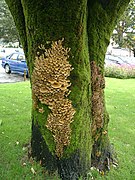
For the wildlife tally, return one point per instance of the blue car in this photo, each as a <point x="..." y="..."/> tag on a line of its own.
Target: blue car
<point x="15" y="63"/>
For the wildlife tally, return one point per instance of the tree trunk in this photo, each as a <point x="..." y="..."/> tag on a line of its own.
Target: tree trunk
<point x="134" y="52"/>
<point x="65" y="139"/>
<point x="102" y="151"/>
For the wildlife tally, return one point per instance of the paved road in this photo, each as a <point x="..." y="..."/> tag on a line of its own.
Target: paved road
<point x="9" y="78"/>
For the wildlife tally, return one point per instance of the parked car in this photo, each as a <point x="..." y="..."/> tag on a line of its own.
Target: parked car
<point x="15" y="63"/>
<point x="115" y="60"/>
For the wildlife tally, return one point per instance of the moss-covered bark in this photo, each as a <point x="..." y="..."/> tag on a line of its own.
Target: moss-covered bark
<point x="86" y="27"/>
<point x="102" y="17"/>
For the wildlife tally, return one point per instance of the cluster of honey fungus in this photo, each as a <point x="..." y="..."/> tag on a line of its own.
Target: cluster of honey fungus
<point x="50" y="86"/>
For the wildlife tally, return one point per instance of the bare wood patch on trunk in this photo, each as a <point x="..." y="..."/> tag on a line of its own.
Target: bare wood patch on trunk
<point x="98" y="84"/>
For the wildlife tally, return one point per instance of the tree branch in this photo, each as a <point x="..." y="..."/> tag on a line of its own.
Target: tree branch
<point x="116" y="8"/>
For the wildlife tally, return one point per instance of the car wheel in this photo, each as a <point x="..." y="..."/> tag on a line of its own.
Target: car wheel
<point x="7" y="69"/>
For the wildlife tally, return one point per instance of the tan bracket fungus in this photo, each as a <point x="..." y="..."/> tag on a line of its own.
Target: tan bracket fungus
<point x="50" y="87"/>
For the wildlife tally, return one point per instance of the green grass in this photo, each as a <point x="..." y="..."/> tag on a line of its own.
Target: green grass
<point x="120" y="99"/>
<point x="15" y="130"/>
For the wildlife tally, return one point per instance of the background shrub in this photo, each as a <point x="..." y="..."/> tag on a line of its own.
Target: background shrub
<point x="120" y="71"/>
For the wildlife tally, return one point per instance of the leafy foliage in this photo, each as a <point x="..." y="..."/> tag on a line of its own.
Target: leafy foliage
<point x="8" y="32"/>
<point x="124" y="34"/>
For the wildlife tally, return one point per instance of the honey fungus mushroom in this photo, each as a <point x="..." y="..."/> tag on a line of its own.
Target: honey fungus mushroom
<point x="50" y="86"/>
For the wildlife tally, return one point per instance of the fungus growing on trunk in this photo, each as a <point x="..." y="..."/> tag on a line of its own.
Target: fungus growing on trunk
<point x="98" y="85"/>
<point x="50" y="87"/>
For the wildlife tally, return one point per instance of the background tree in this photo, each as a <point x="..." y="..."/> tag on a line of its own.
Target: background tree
<point x="8" y="31"/>
<point x="129" y="41"/>
<point x="125" y="29"/>
<point x="69" y="129"/>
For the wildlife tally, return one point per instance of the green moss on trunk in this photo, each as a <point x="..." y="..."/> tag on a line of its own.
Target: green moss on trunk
<point x="100" y="28"/>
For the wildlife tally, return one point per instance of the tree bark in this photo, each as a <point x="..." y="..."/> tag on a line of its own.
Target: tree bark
<point x="86" y="27"/>
<point x="134" y="52"/>
<point x="100" y="28"/>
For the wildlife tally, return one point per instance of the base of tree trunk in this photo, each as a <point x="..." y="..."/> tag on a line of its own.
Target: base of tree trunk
<point x="70" y="168"/>
<point x="73" y="168"/>
<point x="40" y="151"/>
<point x="103" y="155"/>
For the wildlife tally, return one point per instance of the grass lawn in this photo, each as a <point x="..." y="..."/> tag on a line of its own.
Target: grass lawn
<point x="15" y="131"/>
<point x="120" y="99"/>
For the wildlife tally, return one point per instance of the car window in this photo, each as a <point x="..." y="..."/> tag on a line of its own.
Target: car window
<point x="21" y="57"/>
<point x="14" y="56"/>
